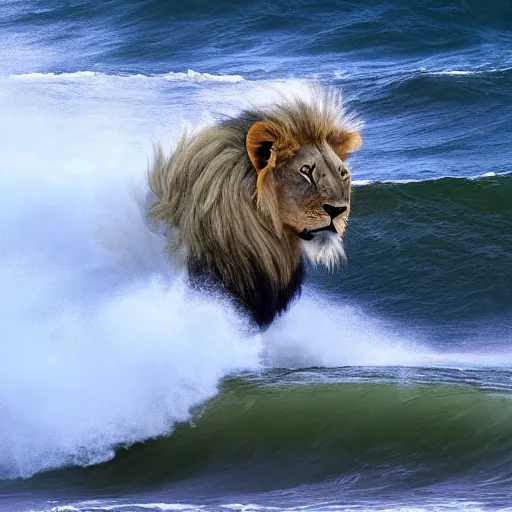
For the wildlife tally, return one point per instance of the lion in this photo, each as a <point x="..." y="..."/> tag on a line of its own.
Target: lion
<point x="250" y="197"/>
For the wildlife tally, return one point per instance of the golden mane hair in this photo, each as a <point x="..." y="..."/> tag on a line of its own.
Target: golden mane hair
<point x="224" y="212"/>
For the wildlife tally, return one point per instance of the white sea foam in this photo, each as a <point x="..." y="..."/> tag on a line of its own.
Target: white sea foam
<point x="466" y="72"/>
<point x="324" y="506"/>
<point x="455" y="72"/>
<point x="190" y="76"/>
<point x="196" y="76"/>
<point x="319" y="332"/>
<point x="102" y="345"/>
<point x="99" y="506"/>
<point x="489" y="174"/>
<point x="129" y="507"/>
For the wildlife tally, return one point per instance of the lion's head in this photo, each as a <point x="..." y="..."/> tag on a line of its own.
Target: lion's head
<point x="247" y="197"/>
<point x="305" y="185"/>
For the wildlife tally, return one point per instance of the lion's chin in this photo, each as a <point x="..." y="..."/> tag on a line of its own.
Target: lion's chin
<point x="325" y="248"/>
<point x="340" y="224"/>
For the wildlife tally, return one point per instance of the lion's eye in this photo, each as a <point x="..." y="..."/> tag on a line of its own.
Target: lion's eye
<point x="307" y="172"/>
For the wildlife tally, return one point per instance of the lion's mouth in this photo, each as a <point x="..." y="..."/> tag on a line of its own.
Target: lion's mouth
<point x="309" y="234"/>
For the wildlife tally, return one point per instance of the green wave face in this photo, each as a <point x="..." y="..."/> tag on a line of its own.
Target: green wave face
<point x="255" y="437"/>
<point x="436" y="251"/>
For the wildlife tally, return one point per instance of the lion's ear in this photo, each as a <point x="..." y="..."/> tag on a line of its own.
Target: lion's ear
<point x="259" y="142"/>
<point x="344" y="143"/>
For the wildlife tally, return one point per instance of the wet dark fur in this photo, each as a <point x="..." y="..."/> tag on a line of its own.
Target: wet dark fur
<point x="262" y="304"/>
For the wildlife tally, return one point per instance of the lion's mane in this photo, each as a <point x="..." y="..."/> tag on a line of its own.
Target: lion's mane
<point x="206" y="192"/>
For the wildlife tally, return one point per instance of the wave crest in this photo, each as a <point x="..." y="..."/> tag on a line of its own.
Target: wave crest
<point x="189" y="76"/>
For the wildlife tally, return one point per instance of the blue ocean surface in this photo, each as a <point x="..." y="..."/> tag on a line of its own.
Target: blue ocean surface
<point x="387" y="386"/>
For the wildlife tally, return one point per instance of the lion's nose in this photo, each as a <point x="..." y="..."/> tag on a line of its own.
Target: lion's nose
<point x="334" y="211"/>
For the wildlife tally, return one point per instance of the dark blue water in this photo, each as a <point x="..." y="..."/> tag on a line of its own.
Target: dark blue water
<point x="386" y="387"/>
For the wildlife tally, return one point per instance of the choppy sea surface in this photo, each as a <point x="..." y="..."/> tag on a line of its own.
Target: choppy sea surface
<point x="387" y="386"/>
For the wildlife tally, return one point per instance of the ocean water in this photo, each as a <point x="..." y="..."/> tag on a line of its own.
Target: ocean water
<point x="386" y="387"/>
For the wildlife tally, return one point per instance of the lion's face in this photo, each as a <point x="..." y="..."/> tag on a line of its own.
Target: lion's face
<point x="314" y="192"/>
<point x="305" y="188"/>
